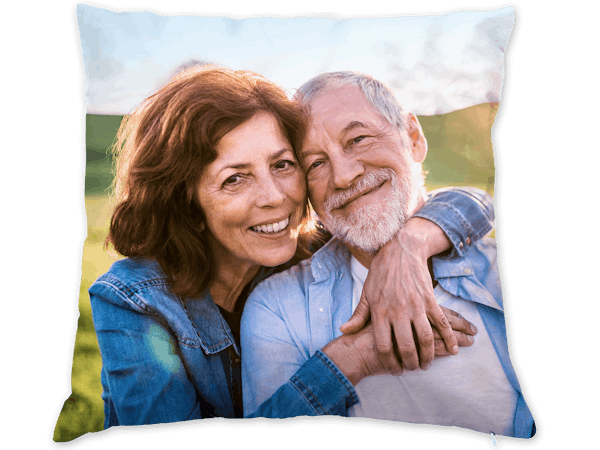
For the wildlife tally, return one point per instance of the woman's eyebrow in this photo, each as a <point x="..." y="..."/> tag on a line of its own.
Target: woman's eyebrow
<point x="281" y="152"/>
<point x="236" y="166"/>
<point x="248" y="165"/>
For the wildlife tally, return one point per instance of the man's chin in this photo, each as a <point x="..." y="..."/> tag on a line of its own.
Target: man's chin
<point x="365" y="230"/>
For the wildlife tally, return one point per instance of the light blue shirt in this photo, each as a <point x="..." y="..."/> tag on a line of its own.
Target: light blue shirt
<point x="293" y="314"/>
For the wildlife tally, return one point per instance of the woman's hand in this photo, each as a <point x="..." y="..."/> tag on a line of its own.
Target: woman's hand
<point x="357" y="357"/>
<point x="398" y="297"/>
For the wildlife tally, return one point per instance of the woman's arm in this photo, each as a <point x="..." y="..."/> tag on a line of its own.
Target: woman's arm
<point x="398" y="292"/>
<point x="145" y="377"/>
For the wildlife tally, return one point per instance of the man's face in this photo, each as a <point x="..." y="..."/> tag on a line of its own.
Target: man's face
<point x="360" y="169"/>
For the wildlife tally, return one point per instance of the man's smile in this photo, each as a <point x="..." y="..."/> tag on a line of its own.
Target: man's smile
<point x="358" y="195"/>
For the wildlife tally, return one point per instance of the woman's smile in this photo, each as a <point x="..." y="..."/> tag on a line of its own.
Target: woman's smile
<point x="254" y="194"/>
<point x="273" y="227"/>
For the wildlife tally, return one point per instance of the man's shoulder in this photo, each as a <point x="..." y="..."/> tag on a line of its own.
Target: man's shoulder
<point x="296" y="280"/>
<point x="484" y="249"/>
<point x="283" y="284"/>
<point x="480" y="261"/>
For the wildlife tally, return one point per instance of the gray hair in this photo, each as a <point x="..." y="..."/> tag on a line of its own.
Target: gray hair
<point x="376" y="93"/>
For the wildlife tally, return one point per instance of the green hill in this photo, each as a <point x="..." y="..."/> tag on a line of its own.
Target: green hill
<point x="460" y="149"/>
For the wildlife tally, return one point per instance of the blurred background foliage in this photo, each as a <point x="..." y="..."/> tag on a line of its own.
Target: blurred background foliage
<point x="460" y="154"/>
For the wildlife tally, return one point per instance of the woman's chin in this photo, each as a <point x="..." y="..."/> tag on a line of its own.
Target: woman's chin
<point x="278" y="257"/>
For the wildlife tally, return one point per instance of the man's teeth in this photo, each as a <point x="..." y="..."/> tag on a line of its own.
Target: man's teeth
<point x="272" y="227"/>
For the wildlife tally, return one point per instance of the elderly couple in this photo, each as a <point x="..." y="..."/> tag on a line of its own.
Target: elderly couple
<point x="213" y="174"/>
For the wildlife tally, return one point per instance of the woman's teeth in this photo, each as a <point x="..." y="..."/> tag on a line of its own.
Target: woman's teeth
<point x="272" y="227"/>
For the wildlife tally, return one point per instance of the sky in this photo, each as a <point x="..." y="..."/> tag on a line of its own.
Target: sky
<point x="434" y="64"/>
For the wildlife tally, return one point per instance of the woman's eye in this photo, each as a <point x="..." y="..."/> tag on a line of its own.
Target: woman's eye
<point x="285" y="164"/>
<point x="232" y="180"/>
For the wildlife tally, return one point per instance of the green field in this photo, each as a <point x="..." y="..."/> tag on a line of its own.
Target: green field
<point x="460" y="153"/>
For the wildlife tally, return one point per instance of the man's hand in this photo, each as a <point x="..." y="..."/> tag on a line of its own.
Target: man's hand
<point x="398" y="297"/>
<point x="357" y="357"/>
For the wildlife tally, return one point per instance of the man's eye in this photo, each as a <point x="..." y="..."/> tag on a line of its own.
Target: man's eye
<point x="315" y="164"/>
<point x="356" y="140"/>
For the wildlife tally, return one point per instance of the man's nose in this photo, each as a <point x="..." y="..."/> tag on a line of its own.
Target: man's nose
<point x="270" y="192"/>
<point x="345" y="170"/>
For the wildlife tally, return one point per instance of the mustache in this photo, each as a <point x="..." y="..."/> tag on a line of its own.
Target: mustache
<point x="363" y="185"/>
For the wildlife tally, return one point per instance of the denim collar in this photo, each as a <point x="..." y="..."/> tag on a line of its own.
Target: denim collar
<point x="213" y="331"/>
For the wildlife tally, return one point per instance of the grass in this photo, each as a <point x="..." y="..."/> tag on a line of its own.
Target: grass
<point x="83" y="411"/>
<point x="460" y="154"/>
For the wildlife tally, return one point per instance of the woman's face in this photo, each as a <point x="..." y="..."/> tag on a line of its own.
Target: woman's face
<point x="253" y="195"/>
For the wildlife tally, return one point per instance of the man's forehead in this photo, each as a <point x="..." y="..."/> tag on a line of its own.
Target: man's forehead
<point x="335" y="102"/>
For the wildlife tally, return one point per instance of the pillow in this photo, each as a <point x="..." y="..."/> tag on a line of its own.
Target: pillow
<point x="446" y="69"/>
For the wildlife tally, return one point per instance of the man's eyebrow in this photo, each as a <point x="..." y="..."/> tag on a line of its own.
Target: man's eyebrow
<point x="353" y="125"/>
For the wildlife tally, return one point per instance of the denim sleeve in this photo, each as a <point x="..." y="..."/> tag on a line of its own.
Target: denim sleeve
<point x="279" y="378"/>
<point x="465" y="214"/>
<point x="144" y="379"/>
<point x="317" y="388"/>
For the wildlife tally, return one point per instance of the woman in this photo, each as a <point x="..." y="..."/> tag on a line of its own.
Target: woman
<point x="210" y="200"/>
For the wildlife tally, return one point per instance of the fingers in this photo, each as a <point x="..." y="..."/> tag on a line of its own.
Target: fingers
<point x="458" y="322"/>
<point x="424" y="337"/>
<point x="440" y="348"/>
<point x="463" y="339"/>
<point x="384" y="345"/>
<point x="359" y="318"/>
<point x="405" y="344"/>
<point x="439" y="320"/>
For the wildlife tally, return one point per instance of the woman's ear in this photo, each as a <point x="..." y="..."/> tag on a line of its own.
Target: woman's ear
<point x="416" y="138"/>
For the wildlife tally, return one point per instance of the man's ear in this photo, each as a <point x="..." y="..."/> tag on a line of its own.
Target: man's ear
<point x="416" y="138"/>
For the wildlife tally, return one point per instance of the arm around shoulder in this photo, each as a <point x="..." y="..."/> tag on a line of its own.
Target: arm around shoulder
<point x="465" y="214"/>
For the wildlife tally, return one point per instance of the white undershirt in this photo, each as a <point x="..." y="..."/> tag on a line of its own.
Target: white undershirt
<point x="468" y="390"/>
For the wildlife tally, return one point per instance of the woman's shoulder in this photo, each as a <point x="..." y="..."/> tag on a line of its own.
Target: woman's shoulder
<point x="132" y="271"/>
<point x="133" y="278"/>
<point x="134" y="289"/>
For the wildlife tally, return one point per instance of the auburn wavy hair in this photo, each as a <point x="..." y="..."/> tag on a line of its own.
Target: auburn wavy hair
<point x="160" y="153"/>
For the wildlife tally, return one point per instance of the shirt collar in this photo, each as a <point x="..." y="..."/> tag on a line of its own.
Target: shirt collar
<point x="330" y="258"/>
<point x="457" y="276"/>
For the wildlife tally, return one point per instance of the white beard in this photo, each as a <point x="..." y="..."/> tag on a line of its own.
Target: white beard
<point x="373" y="225"/>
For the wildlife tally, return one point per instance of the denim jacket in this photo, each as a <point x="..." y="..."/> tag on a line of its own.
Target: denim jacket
<point x="167" y="359"/>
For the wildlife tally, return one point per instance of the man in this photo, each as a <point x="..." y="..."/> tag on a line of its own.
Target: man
<point x="362" y="157"/>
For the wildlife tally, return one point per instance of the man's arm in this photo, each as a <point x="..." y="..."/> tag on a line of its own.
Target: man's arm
<point x="398" y="292"/>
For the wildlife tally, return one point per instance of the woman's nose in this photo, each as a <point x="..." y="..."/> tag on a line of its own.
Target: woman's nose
<point x="270" y="193"/>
